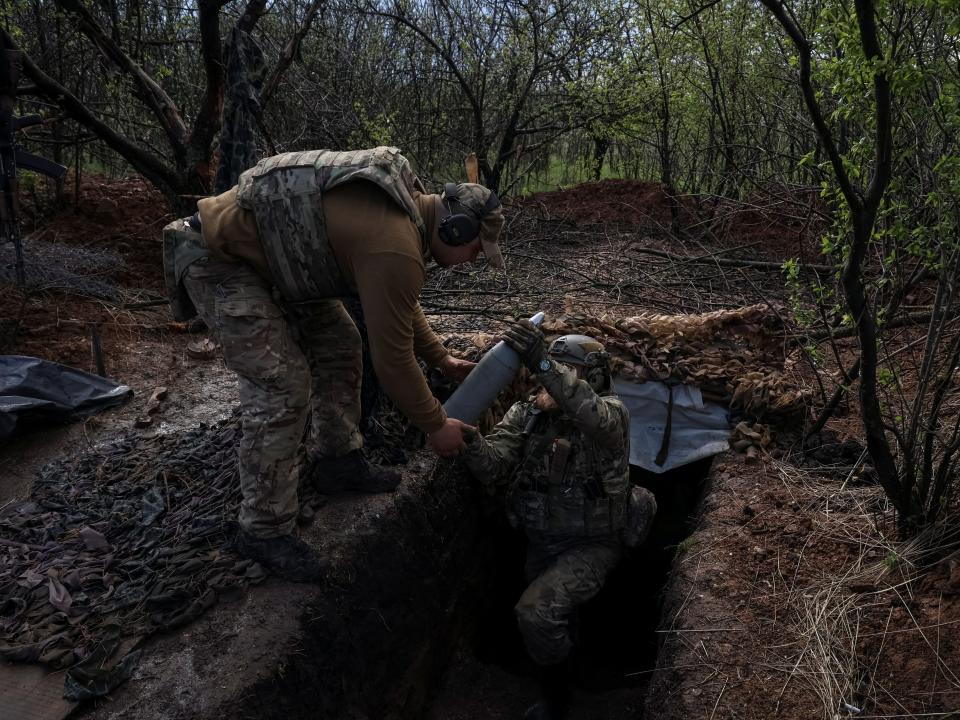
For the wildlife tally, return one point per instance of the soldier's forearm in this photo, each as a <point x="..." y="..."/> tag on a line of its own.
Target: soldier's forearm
<point x="483" y="463"/>
<point x="595" y="418"/>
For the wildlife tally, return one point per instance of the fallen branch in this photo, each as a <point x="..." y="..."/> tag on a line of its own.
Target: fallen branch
<point x="914" y="318"/>
<point x="730" y="262"/>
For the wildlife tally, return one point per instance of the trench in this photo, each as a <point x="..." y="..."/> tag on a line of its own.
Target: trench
<point x="490" y="674"/>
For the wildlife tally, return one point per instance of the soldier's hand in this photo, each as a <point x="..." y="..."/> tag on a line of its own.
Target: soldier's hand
<point x="455" y="368"/>
<point x="448" y="441"/>
<point x="528" y="342"/>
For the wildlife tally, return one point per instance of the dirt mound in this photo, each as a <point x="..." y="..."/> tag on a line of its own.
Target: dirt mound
<point x="631" y="202"/>
<point x="120" y="215"/>
<point x="776" y="222"/>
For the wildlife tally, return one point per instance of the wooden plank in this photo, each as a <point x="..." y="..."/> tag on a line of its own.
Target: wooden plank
<point x="473" y="170"/>
<point x="29" y="692"/>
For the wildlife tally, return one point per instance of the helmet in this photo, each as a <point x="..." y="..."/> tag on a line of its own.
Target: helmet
<point x="584" y="352"/>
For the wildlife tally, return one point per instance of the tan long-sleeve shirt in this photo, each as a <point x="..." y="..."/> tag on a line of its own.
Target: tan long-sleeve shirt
<point x="381" y="256"/>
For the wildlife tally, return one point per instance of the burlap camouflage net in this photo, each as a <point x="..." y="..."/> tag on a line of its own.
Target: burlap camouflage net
<point x="283" y="192"/>
<point x="735" y="357"/>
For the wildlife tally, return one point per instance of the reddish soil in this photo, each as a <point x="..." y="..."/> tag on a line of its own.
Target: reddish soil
<point x="791" y="600"/>
<point x="124" y="216"/>
<point x="633" y="202"/>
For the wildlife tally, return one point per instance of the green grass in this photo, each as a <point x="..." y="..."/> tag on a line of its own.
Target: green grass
<point x="686" y="544"/>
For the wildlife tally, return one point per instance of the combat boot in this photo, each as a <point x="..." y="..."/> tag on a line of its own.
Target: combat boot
<point x="285" y="556"/>
<point x="352" y="472"/>
<point x="554" y="694"/>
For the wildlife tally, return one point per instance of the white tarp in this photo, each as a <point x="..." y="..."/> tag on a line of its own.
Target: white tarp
<point x="698" y="429"/>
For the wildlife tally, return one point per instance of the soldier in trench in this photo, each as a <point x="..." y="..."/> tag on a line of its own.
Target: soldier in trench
<point x="264" y="263"/>
<point x="563" y="459"/>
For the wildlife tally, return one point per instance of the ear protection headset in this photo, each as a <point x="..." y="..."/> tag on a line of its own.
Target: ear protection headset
<point x="459" y="227"/>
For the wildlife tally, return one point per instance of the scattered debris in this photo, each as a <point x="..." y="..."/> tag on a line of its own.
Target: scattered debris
<point x="202" y="349"/>
<point x="158" y="396"/>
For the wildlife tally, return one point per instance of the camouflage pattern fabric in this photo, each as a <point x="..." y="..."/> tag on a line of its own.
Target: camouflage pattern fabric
<point x="181" y="247"/>
<point x="559" y="584"/>
<point x="283" y="192"/>
<point x="586" y="497"/>
<point x="238" y="142"/>
<point x="331" y="342"/>
<point x="567" y="478"/>
<point x="277" y="360"/>
<point x="114" y="544"/>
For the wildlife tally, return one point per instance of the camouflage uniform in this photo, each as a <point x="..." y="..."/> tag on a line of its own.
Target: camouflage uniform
<point x="567" y="478"/>
<point x="292" y="343"/>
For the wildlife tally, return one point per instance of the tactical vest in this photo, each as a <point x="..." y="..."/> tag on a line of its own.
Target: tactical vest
<point x="565" y="485"/>
<point x="283" y="192"/>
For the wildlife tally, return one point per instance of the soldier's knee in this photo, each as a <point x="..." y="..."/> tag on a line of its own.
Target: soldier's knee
<point x="546" y="636"/>
<point x="294" y="382"/>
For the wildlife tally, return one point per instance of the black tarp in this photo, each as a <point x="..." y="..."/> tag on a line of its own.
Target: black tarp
<point x="35" y="392"/>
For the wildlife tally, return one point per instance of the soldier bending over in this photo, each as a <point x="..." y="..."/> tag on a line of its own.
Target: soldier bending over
<point x="264" y="265"/>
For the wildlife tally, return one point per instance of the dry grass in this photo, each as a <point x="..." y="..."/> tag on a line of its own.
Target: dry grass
<point x="836" y="615"/>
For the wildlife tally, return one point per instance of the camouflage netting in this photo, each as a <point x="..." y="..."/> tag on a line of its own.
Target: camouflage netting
<point x="130" y="539"/>
<point x="55" y="266"/>
<point x="118" y="544"/>
<point x="735" y="357"/>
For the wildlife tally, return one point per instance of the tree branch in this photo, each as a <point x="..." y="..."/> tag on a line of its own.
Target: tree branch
<point x="152" y="168"/>
<point x="152" y="94"/>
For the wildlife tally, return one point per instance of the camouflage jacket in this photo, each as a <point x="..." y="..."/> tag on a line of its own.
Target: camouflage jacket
<point x="283" y="192"/>
<point x="566" y="473"/>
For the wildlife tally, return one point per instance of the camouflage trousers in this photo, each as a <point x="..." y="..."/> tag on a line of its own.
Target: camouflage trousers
<point x="560" y="582"/>
<point x="299" y="361"/>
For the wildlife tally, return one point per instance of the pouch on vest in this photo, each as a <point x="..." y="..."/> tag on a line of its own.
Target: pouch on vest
<point x="641" y="509"/>
<point x="182" y="246"/>
<point x="566" y="511"/>
<point x="528" y="510"/>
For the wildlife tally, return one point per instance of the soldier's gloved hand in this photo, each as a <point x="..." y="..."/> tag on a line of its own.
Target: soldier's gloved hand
<point x="528" y="342"/>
